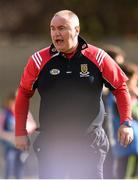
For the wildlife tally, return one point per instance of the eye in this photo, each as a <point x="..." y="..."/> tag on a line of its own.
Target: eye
<point x="61" y="28"/>
<point x="52" y="28"/>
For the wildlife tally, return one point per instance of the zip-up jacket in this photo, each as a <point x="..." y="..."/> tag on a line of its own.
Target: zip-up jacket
<point x="70" y="89"/>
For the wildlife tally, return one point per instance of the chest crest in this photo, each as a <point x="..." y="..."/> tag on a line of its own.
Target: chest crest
<point x="84" y="71"/>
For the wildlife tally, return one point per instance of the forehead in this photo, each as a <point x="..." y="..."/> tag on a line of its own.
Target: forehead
<point x="60" y="21"/>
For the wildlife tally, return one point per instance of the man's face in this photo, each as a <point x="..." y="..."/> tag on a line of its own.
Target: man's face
<point x="64" y="34"/>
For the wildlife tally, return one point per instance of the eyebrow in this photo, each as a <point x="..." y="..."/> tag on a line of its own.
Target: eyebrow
<point x="57" y="26"/>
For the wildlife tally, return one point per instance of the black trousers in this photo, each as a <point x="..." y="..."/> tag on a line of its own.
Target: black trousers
<point x="64" y="158"/>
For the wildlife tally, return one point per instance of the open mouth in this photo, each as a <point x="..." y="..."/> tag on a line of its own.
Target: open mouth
<point x="59" y="41"/>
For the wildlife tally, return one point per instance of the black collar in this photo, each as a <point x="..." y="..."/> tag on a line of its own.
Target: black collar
<point x="82" y="45"/>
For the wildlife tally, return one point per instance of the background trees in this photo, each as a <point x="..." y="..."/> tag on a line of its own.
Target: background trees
<point x="98" y="18"/>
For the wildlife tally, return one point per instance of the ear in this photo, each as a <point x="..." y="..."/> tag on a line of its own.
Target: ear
<point x="77" y="28"/>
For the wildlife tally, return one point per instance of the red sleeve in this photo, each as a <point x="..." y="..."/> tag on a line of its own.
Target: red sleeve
<point x="123" y="101"/>
<point x="21" y="110"/>
<point x="112" y="73"/>
<point x="29" y="75"/>
<point x="31" y="71"/>
<point x="25" y="91"/>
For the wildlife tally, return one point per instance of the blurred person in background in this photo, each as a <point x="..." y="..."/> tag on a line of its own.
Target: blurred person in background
<point x="69" y="76"/>
<point x="129" y="157"/>
<point x="14" y="159"/>
<point x="119" y="56"/>
<point x="121" y="157"/>
<point x="116" y="53"/>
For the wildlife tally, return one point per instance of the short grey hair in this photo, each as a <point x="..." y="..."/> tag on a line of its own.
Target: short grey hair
<point x="69" y="14"/>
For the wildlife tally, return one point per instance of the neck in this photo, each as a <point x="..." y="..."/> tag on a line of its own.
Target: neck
<point x="70" y="52"/>
<point x="73" y="49"/>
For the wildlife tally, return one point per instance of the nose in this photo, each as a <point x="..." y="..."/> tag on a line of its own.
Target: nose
<point x="56" y="33"/>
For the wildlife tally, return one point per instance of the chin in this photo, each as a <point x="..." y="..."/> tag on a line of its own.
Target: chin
<point x="61" y="49"/>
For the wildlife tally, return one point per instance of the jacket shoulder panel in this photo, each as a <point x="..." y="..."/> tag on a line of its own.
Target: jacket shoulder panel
<point x="35" y="64"/>
<point x="111" y="72"/>
<point x="95" y="54"/>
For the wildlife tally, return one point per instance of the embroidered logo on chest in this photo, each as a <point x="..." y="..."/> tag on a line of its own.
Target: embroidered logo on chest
<point x="84" y="70"/>
<point x="54" y="71"/>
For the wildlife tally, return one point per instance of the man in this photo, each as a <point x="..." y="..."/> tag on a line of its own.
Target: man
<point x="69" y="76"/>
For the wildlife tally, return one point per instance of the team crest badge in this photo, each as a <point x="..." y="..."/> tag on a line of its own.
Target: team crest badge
<point x="84" y="70"/>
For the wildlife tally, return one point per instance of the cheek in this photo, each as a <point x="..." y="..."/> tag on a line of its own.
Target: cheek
<point x="52" y="34"/>
<point x="65" y="35"/>
<point x="71" y="36"/>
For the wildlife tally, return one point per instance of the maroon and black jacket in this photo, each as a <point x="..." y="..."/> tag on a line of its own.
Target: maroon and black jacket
<point x="70" y="89"/>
